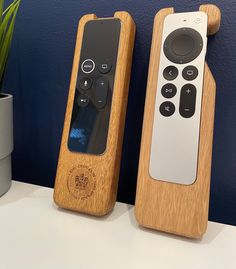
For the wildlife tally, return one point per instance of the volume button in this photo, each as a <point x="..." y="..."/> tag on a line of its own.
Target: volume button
<point x="101" y="93"/>
<point x="187" y="101"/>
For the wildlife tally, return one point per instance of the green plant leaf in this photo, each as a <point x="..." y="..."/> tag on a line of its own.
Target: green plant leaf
<point x="5" y="23"/>
<point x="8" y="36"/>
<point x="6" y="33"/>
<point x="10" y="6"/>
<point x="1" y="9"/>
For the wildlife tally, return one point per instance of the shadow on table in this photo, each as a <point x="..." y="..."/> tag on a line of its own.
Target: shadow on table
<point x="116" y="213"/>
<point x="17" y="192"/>
<point x="213" y="230"/>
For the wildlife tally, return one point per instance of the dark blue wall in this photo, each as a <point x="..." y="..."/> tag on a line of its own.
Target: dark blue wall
<point x="38" y="75"/>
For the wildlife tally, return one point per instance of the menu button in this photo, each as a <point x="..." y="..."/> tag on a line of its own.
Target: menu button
<point x="88" y="66"/>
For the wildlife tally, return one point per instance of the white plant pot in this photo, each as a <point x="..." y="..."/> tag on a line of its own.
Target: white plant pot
<point x="6" y="141"/>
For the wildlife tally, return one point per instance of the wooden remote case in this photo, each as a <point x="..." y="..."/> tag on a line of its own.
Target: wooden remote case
<point x="169" y="207"/>
<point x="87" y="183"/>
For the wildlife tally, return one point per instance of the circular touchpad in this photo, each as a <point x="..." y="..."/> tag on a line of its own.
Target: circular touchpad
<point x="183" y="45"/>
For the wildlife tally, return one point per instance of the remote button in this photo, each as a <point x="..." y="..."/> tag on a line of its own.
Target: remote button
<point x="198" y="20"/>
<point x="190" y="72"/>
<point x="187" y="100"/>
<point x="169" y="90"/>
<point x="183" y="45"/>
<point x="170" y="73"/>
<point x="88" y="66"/>
<point x="85" y="83"/>
<point x="167" y="109"/>
<point x="104" y="68"/>
<point x="83" y="100"/>
<point x="101" y="92"/>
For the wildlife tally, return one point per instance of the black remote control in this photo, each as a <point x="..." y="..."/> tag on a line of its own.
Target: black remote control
<point x="94" y="90"/>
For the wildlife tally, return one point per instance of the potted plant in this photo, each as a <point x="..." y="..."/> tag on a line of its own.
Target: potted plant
<point x="7" y="21"/>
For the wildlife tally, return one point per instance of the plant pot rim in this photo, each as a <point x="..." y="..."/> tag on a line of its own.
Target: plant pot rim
<point x="4" y="96"/>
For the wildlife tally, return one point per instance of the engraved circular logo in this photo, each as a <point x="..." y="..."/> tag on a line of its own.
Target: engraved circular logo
<point x="81" y="182"/>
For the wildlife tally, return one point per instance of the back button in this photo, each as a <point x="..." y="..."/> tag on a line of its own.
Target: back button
<point x="170" y="73"/>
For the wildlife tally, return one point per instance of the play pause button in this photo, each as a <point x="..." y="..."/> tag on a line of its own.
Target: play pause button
<point x="169" y="90"/>
<point x="83" y="100"/>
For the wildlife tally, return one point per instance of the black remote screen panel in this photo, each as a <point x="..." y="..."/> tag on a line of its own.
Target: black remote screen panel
<point x="94" y="89"/>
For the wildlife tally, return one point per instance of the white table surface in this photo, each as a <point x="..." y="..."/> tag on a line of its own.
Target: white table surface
<point x="34" y="234"/>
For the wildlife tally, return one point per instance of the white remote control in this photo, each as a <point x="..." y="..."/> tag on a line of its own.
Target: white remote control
<point x="175" y="137"/>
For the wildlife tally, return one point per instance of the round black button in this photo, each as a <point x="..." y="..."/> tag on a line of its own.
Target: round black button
<point x="190" y="72"/>
<point x="169" y="90"/>
<point x="83" y="100"/>
<point x="88" y="66"/>
<point x="183" y="45"/>
<point x="170" y="73"/>
<point x="167" y="109"/>
<point x="85" y="83"/>
<point x="104" y="68"/>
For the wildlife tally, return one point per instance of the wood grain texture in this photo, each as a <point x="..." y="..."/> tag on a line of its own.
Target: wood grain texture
<point x="169" y="207"/>
<point x="214" y="18"/>
<point x="99" y="173"/>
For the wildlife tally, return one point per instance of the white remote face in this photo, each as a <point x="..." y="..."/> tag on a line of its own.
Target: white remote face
<point x="175" y="138"/>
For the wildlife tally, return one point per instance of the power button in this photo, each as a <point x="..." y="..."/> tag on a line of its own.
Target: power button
<point x="198" y="20"/>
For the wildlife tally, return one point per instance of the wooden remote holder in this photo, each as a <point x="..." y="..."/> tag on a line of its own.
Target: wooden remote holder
<point x="100" y="173"/>
<point x="175" y="208"/>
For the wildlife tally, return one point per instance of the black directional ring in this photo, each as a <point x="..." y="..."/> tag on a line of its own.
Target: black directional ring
<point x="183" y="45"/>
